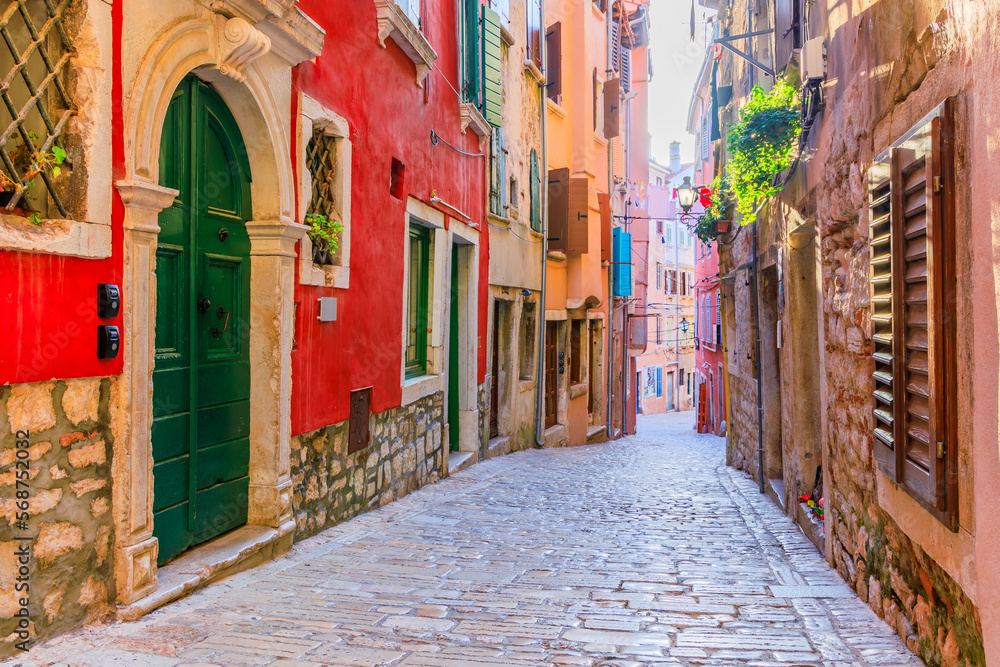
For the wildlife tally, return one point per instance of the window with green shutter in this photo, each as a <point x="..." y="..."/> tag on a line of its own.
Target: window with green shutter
<point x="536" y="193"/>
<point x="417" y="319"/>
<point x="498" y="171"/>
<point x="471" y="52"/>
<point x="492" y="86"/>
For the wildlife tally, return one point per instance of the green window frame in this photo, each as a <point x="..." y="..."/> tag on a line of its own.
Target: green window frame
<point x="418" y="291"/>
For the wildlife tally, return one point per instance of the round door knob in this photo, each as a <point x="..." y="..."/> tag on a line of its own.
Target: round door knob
<point x="204" y="305"/>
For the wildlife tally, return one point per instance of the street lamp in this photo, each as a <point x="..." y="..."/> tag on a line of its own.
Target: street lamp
<point x="687" y="195"/>
<point x="685" y="324"/>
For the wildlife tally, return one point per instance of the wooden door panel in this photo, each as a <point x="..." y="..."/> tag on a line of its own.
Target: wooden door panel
<point x="201" y="456"/>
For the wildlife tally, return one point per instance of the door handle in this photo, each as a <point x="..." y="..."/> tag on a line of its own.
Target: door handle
<point x="225" y="327"/>
<point x="204" y="305"/>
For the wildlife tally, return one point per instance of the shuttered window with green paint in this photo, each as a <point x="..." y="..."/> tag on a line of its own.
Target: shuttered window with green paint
<point x="472" y="51"/>
<point x="492" y="87"/>
<point x="498" y="172"/>
<point x="536" y="193"/>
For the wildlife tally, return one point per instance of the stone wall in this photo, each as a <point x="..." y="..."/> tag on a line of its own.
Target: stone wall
<point x="70" y="523"/>
<point x="926" y="597"/>
<point x="407" y="451"/>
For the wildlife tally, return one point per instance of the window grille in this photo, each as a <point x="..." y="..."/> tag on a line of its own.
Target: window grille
<point x="321" y="156"/>
<point x="33" y="92"/>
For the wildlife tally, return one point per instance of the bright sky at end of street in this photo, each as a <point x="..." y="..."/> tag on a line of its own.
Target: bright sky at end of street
<point x="676" y="64"/>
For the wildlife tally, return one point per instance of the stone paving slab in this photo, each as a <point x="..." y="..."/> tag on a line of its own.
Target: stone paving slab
<point x="646" y="551"/>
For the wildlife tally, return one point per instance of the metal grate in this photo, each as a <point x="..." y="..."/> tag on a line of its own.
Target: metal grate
<point x="321" y="157"/>
<point x="34" y="52"/>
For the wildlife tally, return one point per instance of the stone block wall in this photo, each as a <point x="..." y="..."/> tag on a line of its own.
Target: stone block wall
<point x="70" y="525"/>
<point x="407" y="451"/>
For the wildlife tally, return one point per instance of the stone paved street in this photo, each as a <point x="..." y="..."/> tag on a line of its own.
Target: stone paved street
<point x="644" y="551"/>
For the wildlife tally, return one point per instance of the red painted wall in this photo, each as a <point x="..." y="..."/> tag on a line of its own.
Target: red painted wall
<point x="48" y="303"/>
<point x="375" y="90"/>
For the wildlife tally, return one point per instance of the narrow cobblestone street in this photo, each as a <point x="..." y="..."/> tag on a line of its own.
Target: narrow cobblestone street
<point x="643" y="551"/>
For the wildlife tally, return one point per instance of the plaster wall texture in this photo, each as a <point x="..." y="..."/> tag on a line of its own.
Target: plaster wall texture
<point x="71" y="575"/>
<point x="890" y="63"/>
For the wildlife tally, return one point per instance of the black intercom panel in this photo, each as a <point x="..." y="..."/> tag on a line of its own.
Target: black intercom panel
<point x="108" y="300"/>
<point x="108" y="342"/>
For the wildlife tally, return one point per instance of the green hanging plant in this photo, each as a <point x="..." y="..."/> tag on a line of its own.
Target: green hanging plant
<point x="763" y="145"/>
<point x="716" y="214"/>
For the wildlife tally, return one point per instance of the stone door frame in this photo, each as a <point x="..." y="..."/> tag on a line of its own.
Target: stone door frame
<point x="224" y="52"/>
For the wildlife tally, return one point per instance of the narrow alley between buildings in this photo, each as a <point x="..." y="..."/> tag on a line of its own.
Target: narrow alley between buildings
<point x="640" y="551"/>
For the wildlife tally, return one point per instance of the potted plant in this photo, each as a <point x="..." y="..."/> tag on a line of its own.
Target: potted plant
<point x="324" y="233"/>
<point x="715" y="219"/>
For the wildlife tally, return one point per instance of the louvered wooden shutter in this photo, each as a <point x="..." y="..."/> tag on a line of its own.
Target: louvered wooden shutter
<point x="604" y="204"/>
<point x="472" y="53"/>
<point x="496" y="171"/>
<point x="536" y="193"/>
<point x="913" y="313"/>
<point x="626" y="69"/>
<point x="492" y="86"/>
<point x="616" y="51"/>
<point x="553" y="64"/>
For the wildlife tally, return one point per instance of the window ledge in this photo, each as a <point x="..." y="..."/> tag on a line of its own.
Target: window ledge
<point x="420" y="387"/>
<point x="319" y="275"/>
<point x="532" y="70"/>
<point x="505" y="35"/>
<point x="526" y="384"/>
<point x="554" y="108"/>
<point x="471" y="117"/>
<point x="557" y="256"/>
<point x="597" y="11"/>
<point x="70" y="238"/>
<point x="601" y="140"/>
<point x="498" y="220"/>
<point x="578" y="390"/>
<point x="392" y="22"/>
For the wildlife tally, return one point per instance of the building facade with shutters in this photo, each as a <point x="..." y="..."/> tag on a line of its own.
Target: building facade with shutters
<point x="195" y="379"/>
<point x="868" y="283"/>
<point x="665" y="373"/>
<point x="594" y="125"/>
<point x="513" y="99"/>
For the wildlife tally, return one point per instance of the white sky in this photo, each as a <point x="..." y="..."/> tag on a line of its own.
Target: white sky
<point x="676" y="63"/>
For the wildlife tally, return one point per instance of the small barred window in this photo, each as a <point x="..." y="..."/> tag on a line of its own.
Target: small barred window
<point x="35" y="106"/>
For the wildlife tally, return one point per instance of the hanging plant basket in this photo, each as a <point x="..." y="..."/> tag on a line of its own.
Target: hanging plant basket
<point x="722" y="226"/>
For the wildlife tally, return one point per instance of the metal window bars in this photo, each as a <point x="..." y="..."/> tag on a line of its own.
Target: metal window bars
<point x="320" y="159"/>
<point x="47" y="95"/>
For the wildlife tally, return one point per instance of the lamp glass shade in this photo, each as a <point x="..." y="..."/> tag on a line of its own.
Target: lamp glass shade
<point x="686" y="194"/>
<point x="684" y="325"/>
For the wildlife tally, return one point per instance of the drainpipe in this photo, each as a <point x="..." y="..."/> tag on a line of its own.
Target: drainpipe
<point x="760" y="398"/>
<point x="609" y="353"/>
<point x="540" y="316"/>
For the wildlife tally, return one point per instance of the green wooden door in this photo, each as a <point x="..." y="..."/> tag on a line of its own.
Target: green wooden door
<point x="201" y="381"/>
<point x="453" y="376"/>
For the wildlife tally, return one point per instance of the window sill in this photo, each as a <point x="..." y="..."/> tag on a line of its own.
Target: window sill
<point x="555" y="108"/>
<point x="320" y="275"/>
<point x="505" y="35"/>
<point x="498" y="220"/>
<point x="392" y="22"/>
<point x="557" y="256"/>
<point x="419" y="387"/>
<point x="69" y="238"/>
<point x="601" y="140"/>
<point x="526" y="384"/>
<point x="578" y="390"/>
<point x="531" y="69"/>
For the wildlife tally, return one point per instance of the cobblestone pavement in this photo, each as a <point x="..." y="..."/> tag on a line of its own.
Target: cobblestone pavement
<point x="639" y="552"/>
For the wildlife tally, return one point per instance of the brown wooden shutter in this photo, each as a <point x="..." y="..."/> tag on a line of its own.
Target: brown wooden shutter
<point x="558" y="209"/>
<point x="553" y="65"/>
<point x="359" y="434"/>
<point x="578" y="238"/>
<point x="604" y="202"/>
<point x="612" y="108"/>
<point x="916" y="323"/>
<point x="881" y="284"/>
